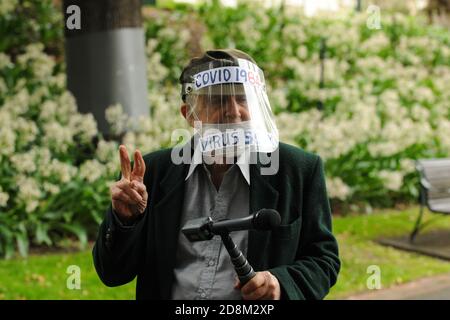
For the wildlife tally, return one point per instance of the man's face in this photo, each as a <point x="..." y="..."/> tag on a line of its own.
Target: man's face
<point x="222" y="108"/>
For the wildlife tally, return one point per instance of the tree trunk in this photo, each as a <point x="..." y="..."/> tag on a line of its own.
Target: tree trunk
<point x="105" y="56"/>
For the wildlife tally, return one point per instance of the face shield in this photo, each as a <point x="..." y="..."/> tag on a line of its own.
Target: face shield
<point x="230" y="109"/>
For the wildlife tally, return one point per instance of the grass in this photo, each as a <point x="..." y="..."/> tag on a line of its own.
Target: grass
<point x="44" y="276"/>
<point x="358" y="251"/>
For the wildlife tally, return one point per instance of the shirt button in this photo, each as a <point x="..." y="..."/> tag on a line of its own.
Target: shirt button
<point x="203" y="295"/>
<point x="211" y="263"/>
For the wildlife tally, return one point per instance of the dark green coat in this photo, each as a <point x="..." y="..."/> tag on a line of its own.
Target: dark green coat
<point x="302" y="252"/>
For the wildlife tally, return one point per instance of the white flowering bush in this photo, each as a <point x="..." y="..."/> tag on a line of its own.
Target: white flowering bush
<point x="53" y="174"/>
<point x="56" y="169"/>
<point x="55" y="166"/>
<point x="26" y="21"/>
<point x="385" y="100"/>
<point x="384" y="103"/>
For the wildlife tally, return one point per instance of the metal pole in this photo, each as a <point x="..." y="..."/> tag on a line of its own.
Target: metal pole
<point x="358" y="5"/>
<point x="106" y="62"/>
<point x="243" y="269"/>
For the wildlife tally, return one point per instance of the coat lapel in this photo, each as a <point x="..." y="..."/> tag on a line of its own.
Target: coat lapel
<point x="262" y="195"/>
<point x="167" y="224"/>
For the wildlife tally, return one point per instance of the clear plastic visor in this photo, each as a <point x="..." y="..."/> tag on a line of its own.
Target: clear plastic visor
<point x="230" y="106"/>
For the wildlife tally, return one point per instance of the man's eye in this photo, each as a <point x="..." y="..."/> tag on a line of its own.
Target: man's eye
<point x="241" y="99"/>
<point x="216" y="101"/>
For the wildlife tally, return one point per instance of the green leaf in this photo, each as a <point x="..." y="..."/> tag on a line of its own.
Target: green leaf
<point x="9" y="249"/>
<point x="6" y="233"/>
<point x="22" y="244"/>
<point x="78" y="231"/>
<point x="42" y="234"/>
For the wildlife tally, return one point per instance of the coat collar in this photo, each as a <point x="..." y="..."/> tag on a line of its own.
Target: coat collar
<point x="242" y="162"/>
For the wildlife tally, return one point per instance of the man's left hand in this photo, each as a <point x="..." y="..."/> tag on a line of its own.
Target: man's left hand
<point x="263" y="286"/>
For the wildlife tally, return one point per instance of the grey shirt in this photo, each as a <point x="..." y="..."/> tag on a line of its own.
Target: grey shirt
<point x="203" y="270"/>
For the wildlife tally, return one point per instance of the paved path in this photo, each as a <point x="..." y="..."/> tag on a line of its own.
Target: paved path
<point x="433" y="288"/>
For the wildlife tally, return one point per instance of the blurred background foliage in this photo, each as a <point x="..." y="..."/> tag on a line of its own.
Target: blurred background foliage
<point x="382" y="103"/>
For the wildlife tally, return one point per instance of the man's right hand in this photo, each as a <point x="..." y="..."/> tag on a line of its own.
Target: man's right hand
<point x="129" y="194"/>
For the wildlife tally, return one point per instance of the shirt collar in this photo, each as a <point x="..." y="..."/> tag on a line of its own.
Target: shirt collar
<point x="242" y="163"/>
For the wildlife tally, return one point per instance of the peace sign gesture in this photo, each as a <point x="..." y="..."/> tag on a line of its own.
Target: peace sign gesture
<point x="129" y="194"/>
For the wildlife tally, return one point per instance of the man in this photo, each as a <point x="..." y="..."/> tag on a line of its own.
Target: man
<point x="224" y="98"/>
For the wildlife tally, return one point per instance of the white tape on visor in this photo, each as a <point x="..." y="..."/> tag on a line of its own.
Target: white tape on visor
<point x="228" y="75"/>
<point x="257" y="140"/>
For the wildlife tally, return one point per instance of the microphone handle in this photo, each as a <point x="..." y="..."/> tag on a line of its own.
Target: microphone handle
<point x="226" y="226"/>
<point x="243" y="269"/>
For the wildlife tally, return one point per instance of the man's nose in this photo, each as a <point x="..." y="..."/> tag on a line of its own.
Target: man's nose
<point x="232" y="109"/>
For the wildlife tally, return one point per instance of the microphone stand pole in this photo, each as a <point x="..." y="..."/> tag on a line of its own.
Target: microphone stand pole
<point x="243" y="269"/>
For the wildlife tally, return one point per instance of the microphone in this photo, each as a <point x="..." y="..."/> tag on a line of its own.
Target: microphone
<point x="205" y="228"/>
<point x="264" y="219"/>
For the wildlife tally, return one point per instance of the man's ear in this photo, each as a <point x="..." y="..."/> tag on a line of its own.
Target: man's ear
<point x="184" y="109"/>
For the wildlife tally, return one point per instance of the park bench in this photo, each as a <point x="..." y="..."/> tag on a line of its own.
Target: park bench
<point x="434" y="189"/>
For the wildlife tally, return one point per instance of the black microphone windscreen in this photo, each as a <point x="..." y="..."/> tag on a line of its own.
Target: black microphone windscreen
<point x="266" y="219"/>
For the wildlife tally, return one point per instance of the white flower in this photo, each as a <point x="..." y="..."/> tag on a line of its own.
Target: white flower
<point x="83" y="125"/>
<point x="3" y="87"/>
<point x="392" y="180"/>
<point x="278" y="98"/>
<point x="42" y="65"/>
<point x="18" y="104"/>
<point x="63" y="171"/>
<point x="91" y="170"/>
<point x="24" y="162"/>
<point x="107" y="150"/>
<point x="375" y="43"/>
<point x="29" y="192"/>
<point x="156" y="71"/>
<point x="5" y="61"/>
<point x="112" y="168"/>
<point x="48" y="110"/>
<point x="43" y="156"/>
<point x="289" y="126"/>
<point x="443" y="132"/>
<point x="31" y="205"/>
<point x="58" y="80"/>
<point x="7" y="6"/>
<point x="57" y="136"/>
<point x="38" y="94"/>
<point x="337" y="189"/>
<point x="26" y="130"/>
<point x="50" y="187"/>
<point x="3" y="198"/>
<point x="184" y="36"/>
<point x="302" y="52"/>
<point x="167" y="33"/>
<point x="66" y="105"/>
<point x="385" y="149"/>
<point x="407" y="166"/>
<point x="419" y="113"/>
<point x="424" y="94"/>
<point x="116" y="118"/>
<point x="7" y="141"/>
<point x="129" y="140"/>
